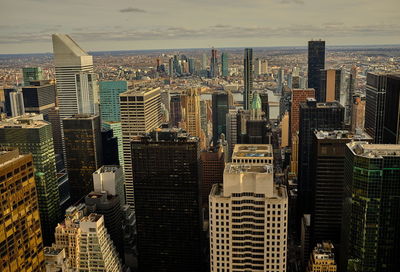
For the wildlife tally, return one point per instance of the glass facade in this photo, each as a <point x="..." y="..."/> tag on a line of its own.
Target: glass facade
<point x="316" y="63"/>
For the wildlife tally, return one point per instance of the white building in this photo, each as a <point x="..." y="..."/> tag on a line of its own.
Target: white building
<point x="140" y="113"/>
<point x="76" y="87"/>
<point x="256" y="154"/>
<point x="110" y="178"/>
<point x="248" y="219"/>
<point x="56" y="260"/>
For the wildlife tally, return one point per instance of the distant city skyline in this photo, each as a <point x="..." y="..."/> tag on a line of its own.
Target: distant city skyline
<point x="26" y="25"/>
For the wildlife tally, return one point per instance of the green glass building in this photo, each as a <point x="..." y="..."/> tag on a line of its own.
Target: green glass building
<point x="371" y="211"/>
<point x="109" y="99"/>
<point x="32" y="135"/>
<point x="31" y="73"/>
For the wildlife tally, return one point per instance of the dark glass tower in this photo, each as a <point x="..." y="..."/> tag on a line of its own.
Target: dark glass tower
<point x="327" y="169"/>
<point x="247" y="77"/>
<point x="165" y="170"/>
<point x="316" y="63"/>
<point x="371" y="211"/>
<point x="214" y="64"/>
<point x="109" y="147"/>
<point x="221" y="101"/>
<point x="83" y="149"/>
<point x="39" y="99"/>
<point x="391" y="125"/>
<point x="375" y="106"/>
<point x="224" y="64"/>
<point x="313" y="116"/>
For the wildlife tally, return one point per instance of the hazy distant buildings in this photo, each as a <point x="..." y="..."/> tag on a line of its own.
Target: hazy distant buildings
<point x="316" y="63"/>
<point x="83" y="148"/>
<point x="32" y="135"/>
<point x="247" y="77"/>
<point x="140" y="113"/>
<point x="165" y="167"/>
<point x="21" y="238"/>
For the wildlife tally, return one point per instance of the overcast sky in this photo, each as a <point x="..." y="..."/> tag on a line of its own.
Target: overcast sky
<point x="26" y="25"/>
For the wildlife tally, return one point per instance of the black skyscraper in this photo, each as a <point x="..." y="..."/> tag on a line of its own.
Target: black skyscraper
<point x="221" y="101"/>
<point x="391" y="125"/>
<point x="313" y="116"/>
<point x="316" y="63"/>
<point x="165" y="166"/>
<point x="39" y="99"/>
<point x="110" y="147"/>
<point x="248" y="77"/>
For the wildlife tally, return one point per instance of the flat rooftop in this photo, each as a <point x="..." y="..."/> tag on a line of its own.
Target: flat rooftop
<point x="139" y="90"/>
<point x="107" y="169"/>
<point x="51" y="251"/>
<point x="24" y="121"/>
<point x="374" y="150"/>
<point x="342" y="134"/>
<point x="252" y="150"/>
<point x="247" y="168"/>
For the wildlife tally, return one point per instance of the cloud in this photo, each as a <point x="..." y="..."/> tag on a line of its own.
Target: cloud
<point x="133" y="10"/>
<point x="299" y="2"/>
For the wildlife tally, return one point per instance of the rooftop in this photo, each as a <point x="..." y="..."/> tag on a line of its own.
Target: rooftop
<point x="342" y="134"/>
<point x="252" y="150"/>
<point x="367" y="150"/>
<point x="247" y="168"/>
<point x="139" y="90"/>
<point x="108" y="169"/>
<point x="165" y="134"/>
<point x="52" y="251"/>
<point x="81" y="116"/>
<point x="29" y="120"/>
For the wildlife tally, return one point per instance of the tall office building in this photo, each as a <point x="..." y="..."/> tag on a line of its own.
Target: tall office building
<point x="330" y="84"/>
<point x="257" y="67"/>
<point x="204" y="61"/>
<point x="39" y="99"/>
<point x="31" y="73"/>
<point x="176" y="110"/>
<point x="116" y="128"/>
<point x="140" y="113"/>
<point x="165" y="166"/>
<point x="212" y="164"/>
<point x="17" y="103"/>
<point x="371" y="208"/>
<point x="21" y="238"/>
<point x="327" y="174"/>
<point x="391" y="123"/>
<point x="190" y="103"/>
<point x="248" y="194"/>
<point x="285" y="130"/>
<point x="322" y="258"/>
<point x="109" y="147"/>
<point x="358" y="112"/>
<point x="53" y="116"/>
<point x="87" y="244"/>
<point x="32" y="135"/>
<point x="74" y="75"/>
<point x="221" y="102"/>
<point x="83" y="148"/>
<point x="214" y="70"/>
<point x="316" y="63"/>
<point x="313" y="116"/>
<point x="375" y="106"/>
<point x="109" y="99"/>
<point x="224" y="64"/>
<point x="231" y="130"/>
<point x="298" y="96"/>
<point x="247" y="77"/>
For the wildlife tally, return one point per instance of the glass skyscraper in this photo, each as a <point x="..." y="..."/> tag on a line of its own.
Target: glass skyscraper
<point x="316" y="63"/>
<point x="248" y="77"/>
<point x="224" y="64"/>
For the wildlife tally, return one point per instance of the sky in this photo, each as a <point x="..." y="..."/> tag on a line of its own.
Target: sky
<point x="100" y="25"/>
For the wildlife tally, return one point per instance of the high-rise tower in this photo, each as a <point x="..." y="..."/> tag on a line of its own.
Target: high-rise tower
<point x="224" y="64"/>
<point x="330" y="81"/>
<point x="316" y="63"/>
<point x="214" y="72"/>
<point x="247" y="77"/>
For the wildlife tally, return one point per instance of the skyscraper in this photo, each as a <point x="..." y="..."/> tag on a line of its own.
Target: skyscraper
<point x="87" y="244"/>
<point x="109" y="99"/>
<point x="140" y="113"/>
<point x="31" y="73"/>
<point x="224" y="64"/>
<point x="248" y="218"/>
<point x="327" y="174"/>
<point x="74" y="70"/>
<point x="21" y="239"/>
<point x="247" y="77"/>
<point x="17" y="103"/>
<point x="316" y="63"/>
<point x="313" y="116"/>
<point x="330" y="82"/>
<point x="371" y="208"/>
<point x="39" y="99"/>
<point x="83" y="148"/>
<point x="175" y="111"/>
<point x="109" y="147"/>
<point x="298" y="96"/>
<point x="190" y="103"/>
<point x="257" y="67"/>
<point x="214" y="70"/>
<point x="221" y="102"/>
<point x="391" y="124"/>
<point x="358" y="112"/>
<point x="165" y="166"/>
<point x="32" y="135"/>
<point x="375" y="106"/>
<point x="110" y="178"/>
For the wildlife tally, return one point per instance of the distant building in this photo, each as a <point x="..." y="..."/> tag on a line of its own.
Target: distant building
<point x="19" y="223"/>
<point x="247" y="77"/>
<point x="322" y="258"/>
<point x="33" y="136"/>
<point x="298" y="96"/>
<point x="214" y="70"/>
<point x="358" y="112"/>
<point x="330" y="84"/>
<point x="316" y="63"/>
<point x="221" y="102"/>
<point x="190" y="103"/>
<point x="82" y="137"/>
<point x="31" y="73"/>
<point x="109" y="100"/>
<point x="175" y="110"/>
<point x="17" y="103"/>
<point x="225" y="64"/>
